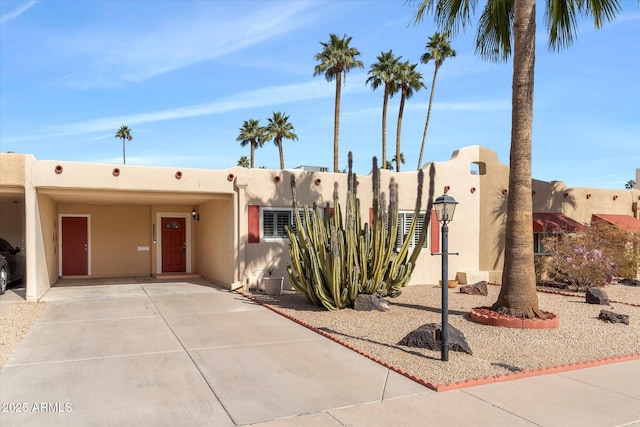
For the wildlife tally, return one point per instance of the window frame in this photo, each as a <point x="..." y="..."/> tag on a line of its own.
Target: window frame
<point x="537" y="242"/>
<point x="291" y="223"/>
<point x="403" y="226"/>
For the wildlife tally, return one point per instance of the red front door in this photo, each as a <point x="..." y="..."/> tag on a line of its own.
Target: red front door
<point x="75" y="246"/>
<point x="174" y="245"/>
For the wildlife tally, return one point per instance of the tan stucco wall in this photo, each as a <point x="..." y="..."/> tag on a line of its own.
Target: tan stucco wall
<point x="463" y="232"/>
<point x="48" y="219"/>
<point x="214" y="258"/>
<point x="12" y="222"/>
<point x="12" y="169"/>
<point x="580" y="203"/>
<point x="116" y="233"/>
<point x="493" y="211"/>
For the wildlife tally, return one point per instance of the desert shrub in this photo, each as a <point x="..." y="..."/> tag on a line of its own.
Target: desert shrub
<point x="623" y="247"/>
<point x="595" y="257"/>
<point x="579" y="264"/>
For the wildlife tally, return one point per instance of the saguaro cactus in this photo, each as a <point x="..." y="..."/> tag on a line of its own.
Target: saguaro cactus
<point x="333" y="259"/>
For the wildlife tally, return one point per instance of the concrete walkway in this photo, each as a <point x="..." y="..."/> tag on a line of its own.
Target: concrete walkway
<point x="138" y="352"/>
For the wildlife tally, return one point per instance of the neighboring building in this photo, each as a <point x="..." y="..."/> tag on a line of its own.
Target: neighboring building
<point x="313" y="168"/>
<point x="100" y="220"/>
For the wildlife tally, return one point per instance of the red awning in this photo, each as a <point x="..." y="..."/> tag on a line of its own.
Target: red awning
<point x="554" y="223"/>
<point x="623" y="222"/>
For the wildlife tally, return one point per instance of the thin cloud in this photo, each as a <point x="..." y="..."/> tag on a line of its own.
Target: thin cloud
<point x="172" y="45"/>
<point x="269" y="96"/>
<point x="19" y="11"/>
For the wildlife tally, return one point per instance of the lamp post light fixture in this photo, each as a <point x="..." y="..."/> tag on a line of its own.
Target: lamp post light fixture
<point x="195" y="215"/>
<point x="445" y="207"/>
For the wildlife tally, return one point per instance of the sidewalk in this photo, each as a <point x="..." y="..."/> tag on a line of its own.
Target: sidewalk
<point x="143" y="352"/>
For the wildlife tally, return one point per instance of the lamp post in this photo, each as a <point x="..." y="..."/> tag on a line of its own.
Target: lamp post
<point x="445" y="207"/>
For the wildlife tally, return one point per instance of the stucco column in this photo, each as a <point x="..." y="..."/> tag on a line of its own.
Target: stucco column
<point x="37" y="279"/>
<point x="241" y="225"/>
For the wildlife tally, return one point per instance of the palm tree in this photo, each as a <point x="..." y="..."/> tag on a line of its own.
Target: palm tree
<point x="243" y="162"/>
<point x="389" y="164"/>
<point x="438" y="49"/>
<point x="252" y="134"/>
<point x="383" y="73"/>
<point x="278" y="129"/>
<point x="500" y="23"/>
<point x="408" y="81"/>
<point x="336" y="59"/>
<point x="631" y="184"/>
<point x="124" y="133"/>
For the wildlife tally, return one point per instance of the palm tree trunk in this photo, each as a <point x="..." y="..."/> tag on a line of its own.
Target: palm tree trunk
<point x="399" y="130"/>
<point x="124" y="158"/>
<point x="385" y="103"/>
<point x="281" y="153"/>
<point x="252" y="151"/>
<point x="336" y="121"/>
<point x="426" y="125"/>
<point x="518" y="293"/>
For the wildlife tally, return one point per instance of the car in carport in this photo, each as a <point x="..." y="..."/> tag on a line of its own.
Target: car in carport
<point x="12" y="264"/>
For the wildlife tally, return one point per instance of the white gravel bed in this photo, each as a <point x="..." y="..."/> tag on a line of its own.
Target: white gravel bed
<point x="15" y="321"/>
<point x="580" y="337"/>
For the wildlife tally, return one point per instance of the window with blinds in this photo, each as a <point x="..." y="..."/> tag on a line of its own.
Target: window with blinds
<point x="275" y="220"/>
<point x="404" y="223"/>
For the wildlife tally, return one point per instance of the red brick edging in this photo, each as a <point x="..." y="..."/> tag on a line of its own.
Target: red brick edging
<point x="486" y="316"/>
<point x="458" y="384"/>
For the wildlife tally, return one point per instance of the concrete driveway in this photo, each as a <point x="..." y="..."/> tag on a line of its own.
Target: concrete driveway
<point x="140" y="352"/>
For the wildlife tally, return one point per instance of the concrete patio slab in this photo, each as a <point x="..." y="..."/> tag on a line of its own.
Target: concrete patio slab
<point x="65" y="293"/>
<point x="179" y="288"/>
<point x="400" y="386"/>
<point x="210" y="302"/>
<point x="264" y="382"/>
<point x="551" y="400"/>
<point x="318" y="419"/>
<point x="96" y="281"/>
<point x="64" y="341"/>
<point x="162" y="389"/>
<point x="622" y="377"/>
<point x="99" y="309"/>
<point x="452" y="408"/>
<point x="250" y="327"/>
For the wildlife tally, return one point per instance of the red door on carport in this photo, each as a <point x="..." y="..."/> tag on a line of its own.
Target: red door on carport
<point x="174" y="245"/>
<point x="75" y="246"/>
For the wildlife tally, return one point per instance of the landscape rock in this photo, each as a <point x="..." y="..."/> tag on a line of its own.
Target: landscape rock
<point x="630" y="282"/>
<point x="479" y="288"/>
<point x="611" y="317"/>
<point x="428" y="336"/>
<point x="368" y="302"/>
<point x="596" y="296"/>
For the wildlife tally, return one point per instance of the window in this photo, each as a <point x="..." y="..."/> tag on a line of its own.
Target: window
<point x="478" y="168"/>
<point x="404" y="223"/>
<point x="538" y="244"/>
<point x="274" y="221"/>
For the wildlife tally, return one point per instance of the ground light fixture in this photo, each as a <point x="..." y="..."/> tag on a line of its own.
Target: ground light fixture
<point x="195" y="215"/>
<point x="445" y="207"/>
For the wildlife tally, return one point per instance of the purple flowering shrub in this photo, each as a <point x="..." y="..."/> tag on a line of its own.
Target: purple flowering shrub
<point x="593" y="258"/>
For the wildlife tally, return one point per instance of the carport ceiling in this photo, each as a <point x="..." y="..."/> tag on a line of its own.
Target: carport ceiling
<point x="12" y="195"/>
<point x="93" y="197"/>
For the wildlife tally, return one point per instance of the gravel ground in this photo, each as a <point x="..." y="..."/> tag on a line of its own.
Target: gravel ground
<point x="580" y="337"/>
<point x="496" y="350"/>
<point x="15" y="321"/>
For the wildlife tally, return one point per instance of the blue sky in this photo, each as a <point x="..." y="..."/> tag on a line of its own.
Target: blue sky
<point x="184" y="75"/>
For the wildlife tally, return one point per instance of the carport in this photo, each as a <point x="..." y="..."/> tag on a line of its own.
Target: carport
<point x="97" y="220"/>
